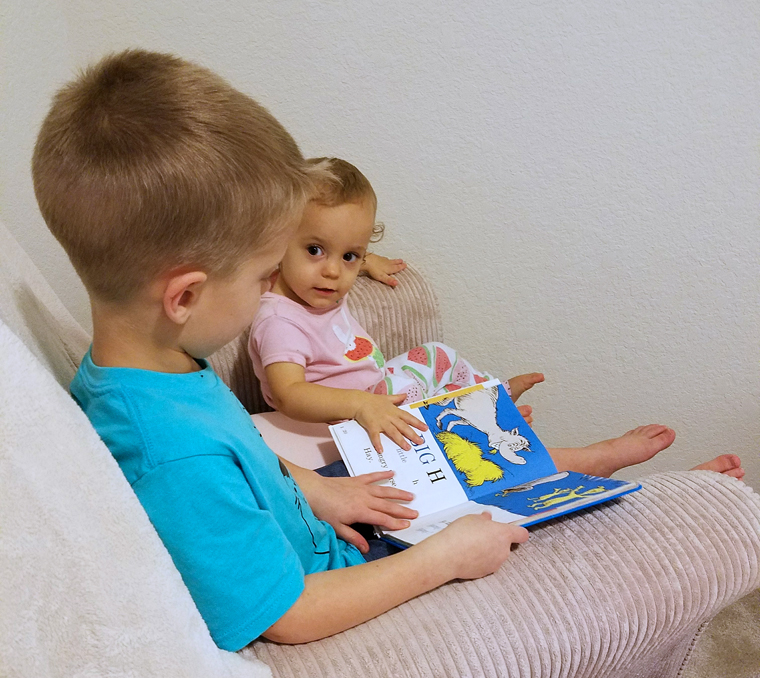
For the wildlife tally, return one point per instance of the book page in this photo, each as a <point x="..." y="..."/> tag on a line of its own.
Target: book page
<point x="485" y="439"/>
<point x="556" y="495"/>
<point x="421" y="528"/>
<point x="478" y="455"/>
<point x="529" y="504"/>
<point x="424" y="470"/>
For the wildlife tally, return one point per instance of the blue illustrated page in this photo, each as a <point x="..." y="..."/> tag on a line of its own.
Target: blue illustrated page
<point x="555" y="493"/>
<point x="487" y="441"/>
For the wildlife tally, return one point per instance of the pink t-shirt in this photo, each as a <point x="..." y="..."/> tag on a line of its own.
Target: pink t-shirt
<point x="328" y="343"/>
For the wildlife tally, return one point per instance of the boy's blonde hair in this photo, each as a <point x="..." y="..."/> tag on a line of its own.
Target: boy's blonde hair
<point x="146" y="162"/>
<point x="343" y="183"/>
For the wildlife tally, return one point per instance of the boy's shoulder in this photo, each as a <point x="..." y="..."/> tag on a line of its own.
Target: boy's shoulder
<point x="151" y="418"/>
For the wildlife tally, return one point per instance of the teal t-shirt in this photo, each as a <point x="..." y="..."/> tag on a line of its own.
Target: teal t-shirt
<point x="237" y="526"/>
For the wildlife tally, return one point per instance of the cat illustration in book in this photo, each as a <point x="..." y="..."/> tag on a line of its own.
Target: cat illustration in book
<point x="478" y="409"/>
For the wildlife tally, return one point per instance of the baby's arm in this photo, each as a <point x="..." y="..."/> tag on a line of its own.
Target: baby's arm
<point x="382" y="269"/>
<point x="336" y="600"/>
<point x="298" y="399"/>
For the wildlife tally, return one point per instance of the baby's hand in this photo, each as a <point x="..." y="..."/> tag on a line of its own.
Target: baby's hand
<point x="522" y="382"/>
<point x="382" y="269"/>
<point x="345" y="501"/>
<point x="475" y="545"/>
<point x="527" y="413"/>
<point x="379" y="414"/>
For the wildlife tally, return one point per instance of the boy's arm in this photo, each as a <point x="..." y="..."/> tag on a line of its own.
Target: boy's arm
<point x="336" y="600"/>
<point x="344" y="501"/>
<point x="298" y="399"/>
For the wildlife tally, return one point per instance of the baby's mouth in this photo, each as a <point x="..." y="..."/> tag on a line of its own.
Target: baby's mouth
<point x="324" y="290"/>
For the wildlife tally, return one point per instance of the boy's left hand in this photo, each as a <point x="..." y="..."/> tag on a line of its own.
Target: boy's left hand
<point x="382" y="269"/>
<point x="344" y="501"/>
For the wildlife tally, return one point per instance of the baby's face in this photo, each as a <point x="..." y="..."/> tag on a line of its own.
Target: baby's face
<point x="323" y="260"/>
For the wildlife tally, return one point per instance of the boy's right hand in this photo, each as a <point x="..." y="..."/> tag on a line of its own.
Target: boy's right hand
<point x="474" y="546"/>
<point x="380" y="414"/>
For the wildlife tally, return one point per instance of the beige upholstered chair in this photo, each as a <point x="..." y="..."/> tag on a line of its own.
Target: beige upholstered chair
<point x="87" y="589"/>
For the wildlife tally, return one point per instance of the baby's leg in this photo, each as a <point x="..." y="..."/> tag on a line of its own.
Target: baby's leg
<point x="634" y="447"/>
<point x="608" y="456"/>
<point x="521" y="383"/>
<point x="437" y="368"/>
<point x="396" y="382"/>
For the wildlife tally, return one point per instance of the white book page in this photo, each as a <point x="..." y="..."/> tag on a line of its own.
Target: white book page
<point x="421" y="528"/>
<point x="424" y="470"/>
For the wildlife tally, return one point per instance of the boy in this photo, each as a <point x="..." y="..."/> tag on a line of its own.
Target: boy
<point x="175" y="195"/>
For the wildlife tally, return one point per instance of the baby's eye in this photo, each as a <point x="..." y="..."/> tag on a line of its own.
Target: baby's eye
<point x="314" y="250"/>
<point x="350" y="257"/>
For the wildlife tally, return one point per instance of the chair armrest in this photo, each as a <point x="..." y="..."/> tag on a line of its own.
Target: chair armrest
<point x="618" y="591"/>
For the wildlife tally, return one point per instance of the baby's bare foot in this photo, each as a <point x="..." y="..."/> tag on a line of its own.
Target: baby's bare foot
<point x="608" y="456"/>
<point x="728" y="464"/>
<point x="522" y="382"/>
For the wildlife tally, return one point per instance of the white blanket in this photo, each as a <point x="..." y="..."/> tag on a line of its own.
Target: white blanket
<point x="86" y="586"/>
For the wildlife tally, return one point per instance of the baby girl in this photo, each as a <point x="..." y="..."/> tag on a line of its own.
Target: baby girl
<point x="317" y="364"/>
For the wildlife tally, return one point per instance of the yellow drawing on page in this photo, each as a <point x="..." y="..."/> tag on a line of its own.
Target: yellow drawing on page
<point x="446" y="396"/>
<point x="467" y="458"/>
<point x="561" y="495"/>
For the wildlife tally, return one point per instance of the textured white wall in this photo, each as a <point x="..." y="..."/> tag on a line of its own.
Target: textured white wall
<point x="579" y="179"/>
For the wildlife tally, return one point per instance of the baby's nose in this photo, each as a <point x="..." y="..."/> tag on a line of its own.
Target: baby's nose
<point x="331" y="269"/>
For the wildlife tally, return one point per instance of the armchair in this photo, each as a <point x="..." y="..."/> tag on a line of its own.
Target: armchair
<point x="87" y="588"/>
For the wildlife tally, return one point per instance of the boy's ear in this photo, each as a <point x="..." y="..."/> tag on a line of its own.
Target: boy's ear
<point x="181" y="294"/>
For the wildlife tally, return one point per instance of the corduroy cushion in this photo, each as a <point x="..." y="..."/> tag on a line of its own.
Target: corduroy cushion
<point x="617" y="591"/>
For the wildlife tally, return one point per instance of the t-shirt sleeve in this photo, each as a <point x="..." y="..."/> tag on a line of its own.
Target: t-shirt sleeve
<point x="238" y="565"/>
<point x="278" y="340"/>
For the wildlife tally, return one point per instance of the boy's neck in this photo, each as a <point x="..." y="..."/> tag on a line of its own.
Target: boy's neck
<point x="127" y="338"/>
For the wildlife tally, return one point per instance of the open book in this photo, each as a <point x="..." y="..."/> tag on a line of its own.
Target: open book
<point x="478" y="454"/>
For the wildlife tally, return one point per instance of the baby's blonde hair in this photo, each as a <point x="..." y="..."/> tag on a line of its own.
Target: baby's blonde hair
<point x="147" y="162"/>
<point x="343" y="183"/>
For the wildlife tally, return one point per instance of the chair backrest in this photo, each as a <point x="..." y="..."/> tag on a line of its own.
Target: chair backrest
<point x="396" y="318"/>
<point x="33" y="312"/>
